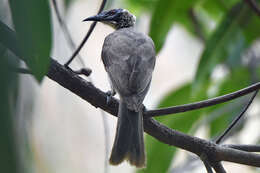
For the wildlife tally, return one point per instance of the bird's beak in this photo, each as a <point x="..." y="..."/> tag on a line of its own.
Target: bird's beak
<point x="100" y="17"/>
<point x="93" y="18"/>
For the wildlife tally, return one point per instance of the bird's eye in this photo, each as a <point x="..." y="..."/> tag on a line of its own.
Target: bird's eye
<point x="112" y="12"/>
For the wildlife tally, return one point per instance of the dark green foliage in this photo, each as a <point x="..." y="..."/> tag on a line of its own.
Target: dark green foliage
<point x="9" y="40"/>
<point x="32" y="43"/>
<point x="227" y="43"/>
<point x="8" y="91"/>
<point x="167" y="12"/>
<point x="32" y="24"/>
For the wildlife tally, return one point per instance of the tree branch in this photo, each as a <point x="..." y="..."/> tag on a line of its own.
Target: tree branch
<point x="248" y="148"/>
<point x="204" y="103"/>
<point x="218" y="167"/>
<point x="237" y="156"/>
<point x="23" y="71"/>
<point x="71" y="81"/>
<point x="68" y="79"/>
<point x="207" y="165"/>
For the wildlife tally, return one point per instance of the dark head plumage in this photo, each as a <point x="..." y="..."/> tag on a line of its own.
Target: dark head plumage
<point x="117" y="18"/>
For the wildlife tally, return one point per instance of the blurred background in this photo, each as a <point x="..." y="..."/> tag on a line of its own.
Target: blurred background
<point x="205" y="48"/>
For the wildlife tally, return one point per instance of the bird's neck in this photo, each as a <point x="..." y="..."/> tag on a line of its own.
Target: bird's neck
<point x="122" y="27"/>
<point x="126" y="22"/>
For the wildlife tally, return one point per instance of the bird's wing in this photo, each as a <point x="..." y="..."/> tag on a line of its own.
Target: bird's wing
<point x="129" y="59"/>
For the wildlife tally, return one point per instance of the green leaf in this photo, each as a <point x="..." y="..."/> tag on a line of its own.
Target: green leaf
<point x="165" y="14"/>
<point x="209" y="12"/>
<point x="32" y="24"/>
<point x="8" y="90"/>
<point x="251" y="28"/>
<point x="2" y="48"/>
<point x="227" y="43"/>
<point x="139" y="6"/>
<point x="159" y="155"/>
<point x="9" y="40"/>
<point x="209" y="58"/>
<point x="161" y="22"/>
<point x="214" y="9"/>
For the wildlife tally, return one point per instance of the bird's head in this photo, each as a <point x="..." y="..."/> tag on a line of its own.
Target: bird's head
<point x="117" y="18"/>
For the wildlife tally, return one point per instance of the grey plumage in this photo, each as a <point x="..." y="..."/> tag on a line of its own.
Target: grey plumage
<point x="129" y="59"/>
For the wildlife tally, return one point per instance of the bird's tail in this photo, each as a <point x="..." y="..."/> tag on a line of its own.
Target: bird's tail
<point x="129" y="142"/>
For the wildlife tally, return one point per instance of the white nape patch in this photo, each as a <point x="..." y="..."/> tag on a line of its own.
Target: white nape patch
<point x="134" y="18"/>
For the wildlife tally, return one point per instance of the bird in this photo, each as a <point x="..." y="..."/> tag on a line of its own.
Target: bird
<point x="129" y="59"/>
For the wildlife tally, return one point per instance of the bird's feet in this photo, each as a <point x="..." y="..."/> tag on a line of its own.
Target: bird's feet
<point x="84" y="71"/>
<point x="144" y="110"/>
<point x="110" y="94"/>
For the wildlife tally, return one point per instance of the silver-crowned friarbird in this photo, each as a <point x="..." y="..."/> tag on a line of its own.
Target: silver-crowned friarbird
<point x="129" y="59"/>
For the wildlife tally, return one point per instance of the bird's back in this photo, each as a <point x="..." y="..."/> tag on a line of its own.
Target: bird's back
<point x="129" y="58"/>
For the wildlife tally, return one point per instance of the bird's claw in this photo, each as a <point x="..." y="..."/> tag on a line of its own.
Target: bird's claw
<point x="144" y="109"/>
<point x="110" y="94"/>
<point x="84" y="71"/>
<point x="67" y="67"/>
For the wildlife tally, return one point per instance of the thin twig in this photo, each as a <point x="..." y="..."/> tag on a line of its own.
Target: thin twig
<point x="252" y="4"/>
<point x="248" y="148"/>
<point x="202" y="104"/>
<point x="23" y="71"/>
<point x="218" y="167"/>
<point x="207" y="166"/>
<point x="66" y="31"/>
<point x="86" y="37"/>
<point x="234" y="122"/>
<point x="236" y="156"/>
